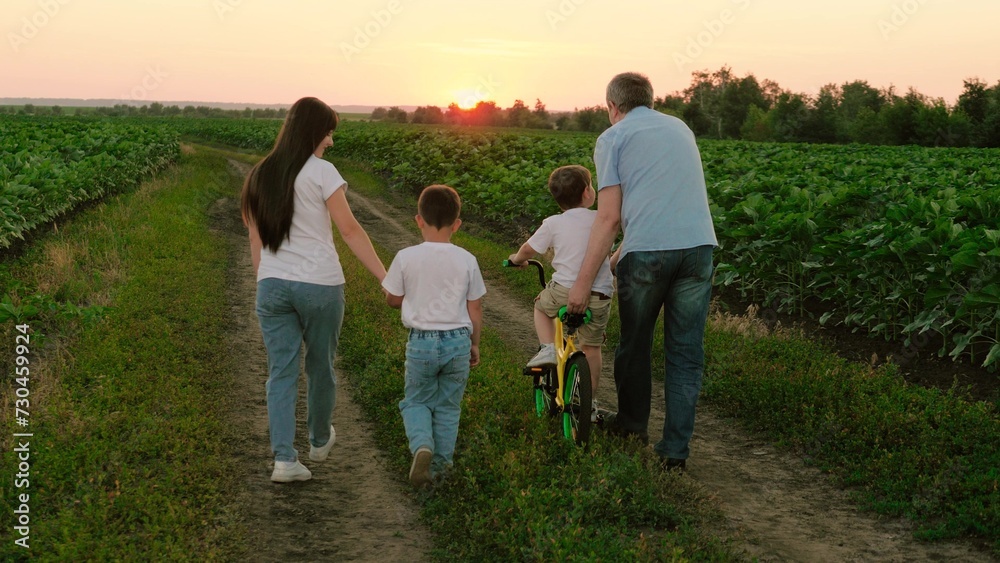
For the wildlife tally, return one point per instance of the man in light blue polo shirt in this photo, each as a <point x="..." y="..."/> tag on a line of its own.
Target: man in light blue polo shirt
<point x="652" y="185"/>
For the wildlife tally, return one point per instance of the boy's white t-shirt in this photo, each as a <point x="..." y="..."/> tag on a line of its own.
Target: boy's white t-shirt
<point x="569" y="234"/>
<point x="436" y="280"/>
<point x="309" y="254"/>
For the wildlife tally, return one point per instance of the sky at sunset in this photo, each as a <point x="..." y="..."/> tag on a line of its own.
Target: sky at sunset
<point x="434" y="52"/>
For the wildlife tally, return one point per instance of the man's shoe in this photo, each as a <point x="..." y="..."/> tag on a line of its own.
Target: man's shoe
<point x="288" y="471"/>
<point x="320" y="453"/>
<point x="611" y="426"/>
<point x="546" y="356"/>
<point x="672" y="465"/>
<point x="420" y="471"/>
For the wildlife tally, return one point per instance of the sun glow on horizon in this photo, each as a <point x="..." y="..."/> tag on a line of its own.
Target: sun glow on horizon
<point x="468" y="98"/>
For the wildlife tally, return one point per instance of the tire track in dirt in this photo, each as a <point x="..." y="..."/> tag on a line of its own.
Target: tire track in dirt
<point x="777" y="508"/>
<point x="353" y="509"/>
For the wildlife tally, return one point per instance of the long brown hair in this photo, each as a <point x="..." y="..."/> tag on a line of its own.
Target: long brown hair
<point x="268" y="198"/>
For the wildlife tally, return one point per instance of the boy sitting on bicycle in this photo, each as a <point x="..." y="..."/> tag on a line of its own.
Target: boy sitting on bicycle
<point x="568" y="234"/>
<point x="439" y="288"/>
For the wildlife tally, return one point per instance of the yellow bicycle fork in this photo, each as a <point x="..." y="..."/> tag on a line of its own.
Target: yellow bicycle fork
<point x="565" y="348"/>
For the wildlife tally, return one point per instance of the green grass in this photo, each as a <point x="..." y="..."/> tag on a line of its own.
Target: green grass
<point x="130" y="457"/>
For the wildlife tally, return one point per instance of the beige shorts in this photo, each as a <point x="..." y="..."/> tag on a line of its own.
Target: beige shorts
<point x="554" y="296"/>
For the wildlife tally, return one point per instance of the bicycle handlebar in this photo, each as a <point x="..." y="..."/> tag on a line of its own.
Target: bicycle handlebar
<point x="535" y="263"/>
<point x="570" y="320"/>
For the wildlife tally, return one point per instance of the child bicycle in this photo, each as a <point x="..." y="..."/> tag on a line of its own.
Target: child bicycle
<point x="564" y="388"/>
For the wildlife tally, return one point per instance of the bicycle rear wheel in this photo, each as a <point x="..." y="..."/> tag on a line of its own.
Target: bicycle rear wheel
<point x="579" y="395"/>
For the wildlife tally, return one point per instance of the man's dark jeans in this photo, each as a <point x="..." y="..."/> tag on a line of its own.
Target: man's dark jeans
<point x="679" y="282"/>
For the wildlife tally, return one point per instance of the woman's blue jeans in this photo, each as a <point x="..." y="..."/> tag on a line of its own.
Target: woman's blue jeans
<point x="292" y="314"/>
<point x="437" y="370"/>
<point x="680" y="283"/>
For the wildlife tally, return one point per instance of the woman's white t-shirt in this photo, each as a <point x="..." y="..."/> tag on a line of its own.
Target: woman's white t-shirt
<point x="309" y="254"/>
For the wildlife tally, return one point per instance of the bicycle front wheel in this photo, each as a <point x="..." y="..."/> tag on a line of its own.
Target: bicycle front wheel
<point x="578" y="396"/>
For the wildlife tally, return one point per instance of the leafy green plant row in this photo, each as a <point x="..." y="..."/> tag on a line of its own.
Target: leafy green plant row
<point x="899" y="241"/>
<point x="902" y="241"/>
<point x="49" y="166"/>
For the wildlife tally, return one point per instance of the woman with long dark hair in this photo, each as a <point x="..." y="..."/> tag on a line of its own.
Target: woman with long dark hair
<point x="288" y="201"/>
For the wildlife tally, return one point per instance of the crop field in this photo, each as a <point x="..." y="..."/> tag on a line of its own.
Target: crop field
<point x="896" y="242"/>
<point x="50" y="166"/>
<point x="900" y="242"/>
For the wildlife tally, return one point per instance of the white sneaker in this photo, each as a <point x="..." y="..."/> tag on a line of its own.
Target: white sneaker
<point x="420" y="471"/>
<point x="288" y="471"/>
<point x="593" y="412"/>
<point x="320" y="453"/>
<point x="545" y="357"/>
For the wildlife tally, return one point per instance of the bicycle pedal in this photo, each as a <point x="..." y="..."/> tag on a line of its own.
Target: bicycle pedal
<point x="535" y="371"/>
<point x="597" y="416"/>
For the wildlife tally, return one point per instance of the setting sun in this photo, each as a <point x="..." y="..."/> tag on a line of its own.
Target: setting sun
<point x="467" y="99"/>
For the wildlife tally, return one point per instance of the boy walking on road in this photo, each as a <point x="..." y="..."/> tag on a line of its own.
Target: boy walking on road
<point x="439" y="288"/>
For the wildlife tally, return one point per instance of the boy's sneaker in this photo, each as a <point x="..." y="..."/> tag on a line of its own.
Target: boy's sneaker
<point x="596" y="415"/>
<point x="288" y="471"/>
<point x="545" y="357"/>
<point x="420" y="471"/>
<point x="320" y="453"/>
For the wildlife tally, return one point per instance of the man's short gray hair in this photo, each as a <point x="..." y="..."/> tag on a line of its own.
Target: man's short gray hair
<point x="630" y="90"/>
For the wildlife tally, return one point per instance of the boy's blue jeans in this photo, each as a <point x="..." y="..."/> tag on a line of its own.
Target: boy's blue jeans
<point x="437" y="369"/>
<point x="679" y="282"/>
<point x="290" y="314"/>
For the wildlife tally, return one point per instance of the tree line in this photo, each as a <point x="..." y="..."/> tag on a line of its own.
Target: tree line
<point x="484" y="114"/>
<point x="716" y="105"/>
<point x="721" y="105"/>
